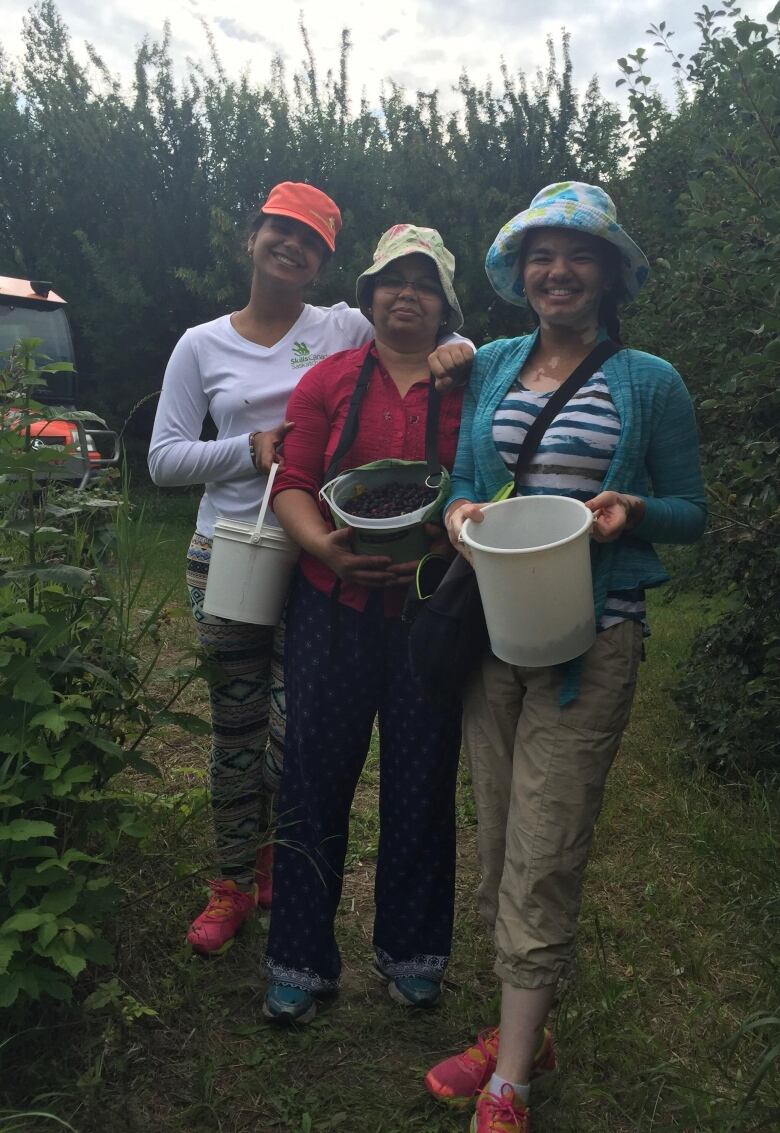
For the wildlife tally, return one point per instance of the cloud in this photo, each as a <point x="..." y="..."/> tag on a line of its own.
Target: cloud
<point x="234" y="30"/>
<point x="390" y="32"/>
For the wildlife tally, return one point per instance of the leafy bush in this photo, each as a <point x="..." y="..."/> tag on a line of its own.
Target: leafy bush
<point x="76" y="702"/>
<point x="714" y="311"/>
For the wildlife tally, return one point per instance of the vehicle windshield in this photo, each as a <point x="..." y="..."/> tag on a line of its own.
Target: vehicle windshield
<point x="51" y="327"/>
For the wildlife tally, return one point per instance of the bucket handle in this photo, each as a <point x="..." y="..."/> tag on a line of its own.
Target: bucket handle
<point x="257" y="534"/>
<point x="324" y="489"/>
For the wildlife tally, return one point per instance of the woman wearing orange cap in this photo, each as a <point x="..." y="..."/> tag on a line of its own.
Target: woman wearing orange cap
<point x="241" y="369"/>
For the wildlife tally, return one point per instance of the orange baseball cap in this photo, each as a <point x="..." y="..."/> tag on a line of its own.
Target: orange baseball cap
<point x="309" y="205"/>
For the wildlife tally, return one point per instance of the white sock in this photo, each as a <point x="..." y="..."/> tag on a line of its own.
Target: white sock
<point x="522" y="1093"/>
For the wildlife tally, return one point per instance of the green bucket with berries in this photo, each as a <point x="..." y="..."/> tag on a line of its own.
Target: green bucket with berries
<point x="387" y="505"/>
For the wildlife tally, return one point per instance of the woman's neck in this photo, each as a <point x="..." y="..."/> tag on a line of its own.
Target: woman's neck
<point x="406" y="364"/>
<point x="269" y="314"/>
<point x="558" y="352"/>
<point x="568" y="340"/>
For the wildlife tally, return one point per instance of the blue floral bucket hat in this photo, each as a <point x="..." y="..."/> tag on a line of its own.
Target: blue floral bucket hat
<point x="567" y="204"/>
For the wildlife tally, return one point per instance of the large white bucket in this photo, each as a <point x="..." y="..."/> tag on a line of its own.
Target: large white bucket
<point x="250" y="568"/>
<point x="531" y="556"/>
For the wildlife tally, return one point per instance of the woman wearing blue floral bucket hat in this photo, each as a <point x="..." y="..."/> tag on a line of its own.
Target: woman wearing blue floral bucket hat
<point x="540" y="741"/>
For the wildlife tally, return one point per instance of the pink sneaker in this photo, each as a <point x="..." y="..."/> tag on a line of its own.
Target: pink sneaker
<point x="264" y="869"/>
<point x="505" y="1114"/>
<point x="457" y="1080"/>
<point x="228" y="907"/>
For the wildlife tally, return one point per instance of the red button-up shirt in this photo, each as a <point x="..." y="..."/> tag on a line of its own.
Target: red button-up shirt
<point x="389" y="426"/>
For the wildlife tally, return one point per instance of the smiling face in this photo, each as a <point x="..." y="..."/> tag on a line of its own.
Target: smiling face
<point x="400" y="308"/>
<point x="565" y="276"/>
<point x="286" y="252"/>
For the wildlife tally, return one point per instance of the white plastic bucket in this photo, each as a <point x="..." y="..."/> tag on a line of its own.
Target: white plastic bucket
<point x="531" y="556"/>
<point x="250" y="568"/>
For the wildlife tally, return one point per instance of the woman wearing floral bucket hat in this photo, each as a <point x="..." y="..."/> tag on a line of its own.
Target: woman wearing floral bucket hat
<point x="240" y="369"/>
<point x="540" y="741"/>
<point x="347" y="660"/>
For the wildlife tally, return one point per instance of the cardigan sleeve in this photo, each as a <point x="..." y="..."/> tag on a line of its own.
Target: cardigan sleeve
<point x="677" y="510"/>
<point x="464" y="472"/>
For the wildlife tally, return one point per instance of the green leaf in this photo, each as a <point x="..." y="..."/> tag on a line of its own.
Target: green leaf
<point x="70" y="963"/>
<point x="33" y="689"/>
<point x="9" y="943"/>
<point x="25" y="829"/>
<point x="52" y="719"/>
<point x="23" y="922"/>
<point x="774" y="16"/>
<point x="9" y="989"/>
<point x="46" y="933"/>
<point x="58" y="901"/>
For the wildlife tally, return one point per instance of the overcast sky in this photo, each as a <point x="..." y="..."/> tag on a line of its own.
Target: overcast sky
<point x="419" y="44"/>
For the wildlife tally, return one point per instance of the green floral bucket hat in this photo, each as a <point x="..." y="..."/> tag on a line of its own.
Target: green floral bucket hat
<point x="406" y="240"/>
<point x="567" y="204"/>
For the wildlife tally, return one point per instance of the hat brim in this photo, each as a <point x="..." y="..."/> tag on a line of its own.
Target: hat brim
<point x="327" y="237"/>
<point x="363" y="288"/>
<point x="502" y="260"/>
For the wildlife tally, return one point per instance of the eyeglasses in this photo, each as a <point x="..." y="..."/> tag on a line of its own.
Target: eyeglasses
<point x="424" y="288"/>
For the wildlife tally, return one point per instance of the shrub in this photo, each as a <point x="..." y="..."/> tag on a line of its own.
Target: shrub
<point x="76" y="702"/>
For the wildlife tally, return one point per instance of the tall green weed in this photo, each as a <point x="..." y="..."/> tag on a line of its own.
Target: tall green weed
<point x="79" y="695"/>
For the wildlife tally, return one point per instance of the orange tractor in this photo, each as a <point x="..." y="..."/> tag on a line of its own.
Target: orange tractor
<point x="31" y="309"/>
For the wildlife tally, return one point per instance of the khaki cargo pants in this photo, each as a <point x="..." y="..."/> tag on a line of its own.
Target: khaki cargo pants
<point x="539" y="772"/>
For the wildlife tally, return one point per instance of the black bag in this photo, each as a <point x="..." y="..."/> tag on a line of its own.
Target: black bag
<point x="448" y="637"/>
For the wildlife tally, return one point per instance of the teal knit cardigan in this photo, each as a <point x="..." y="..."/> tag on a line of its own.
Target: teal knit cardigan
<point x="656" y="458"/>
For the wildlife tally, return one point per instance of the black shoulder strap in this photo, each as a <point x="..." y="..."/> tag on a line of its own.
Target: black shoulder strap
<point x="565" y="392"/>
<point x="432" y="430"/>
<point x="349" y="432"/>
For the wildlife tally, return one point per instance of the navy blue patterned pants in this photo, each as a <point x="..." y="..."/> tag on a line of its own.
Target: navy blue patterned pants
<point x="342" y="669"/>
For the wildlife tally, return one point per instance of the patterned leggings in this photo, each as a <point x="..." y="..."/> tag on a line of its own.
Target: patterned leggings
<point x="247" y="719"/>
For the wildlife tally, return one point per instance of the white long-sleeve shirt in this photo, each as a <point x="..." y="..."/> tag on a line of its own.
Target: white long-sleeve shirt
<point x="245" y="387"/>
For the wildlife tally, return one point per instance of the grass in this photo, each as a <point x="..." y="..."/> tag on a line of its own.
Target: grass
<point x="663" y="1026"/>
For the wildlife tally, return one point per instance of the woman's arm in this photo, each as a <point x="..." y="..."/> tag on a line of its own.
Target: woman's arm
<point x="177" y="456"/>
<point x="299" y="515"/>
<point x="677" y="510"/>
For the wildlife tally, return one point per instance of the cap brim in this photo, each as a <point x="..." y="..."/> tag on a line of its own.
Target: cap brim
<point x="326" y="237"/>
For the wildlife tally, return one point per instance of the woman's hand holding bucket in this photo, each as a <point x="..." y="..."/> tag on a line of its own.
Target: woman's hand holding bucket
<point x="335" y="550"/>
<point x="614" y="514"/>
<point x="456" y="516"/>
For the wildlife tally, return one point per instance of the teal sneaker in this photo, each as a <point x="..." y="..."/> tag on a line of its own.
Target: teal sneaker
<point x="414" y="991"/>
<point x="285" y="1004"/>
<point x="410" y="991"/>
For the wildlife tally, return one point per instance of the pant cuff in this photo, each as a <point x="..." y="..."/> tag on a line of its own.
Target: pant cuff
<point x="304" y="978"/>
<point x="424" y="967"/>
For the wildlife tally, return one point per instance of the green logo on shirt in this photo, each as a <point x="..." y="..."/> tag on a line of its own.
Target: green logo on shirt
<point x="302" y="356"/>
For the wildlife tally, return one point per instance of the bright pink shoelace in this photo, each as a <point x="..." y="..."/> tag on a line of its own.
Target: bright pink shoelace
<point x="504" y="1110"/>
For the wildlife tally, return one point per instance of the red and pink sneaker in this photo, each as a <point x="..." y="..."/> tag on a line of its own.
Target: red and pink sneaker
<point x="228" y="907"/>
<point x="504" y="1114"/>
<point x="264" y="869"/>
<point x="457" y="1080"/>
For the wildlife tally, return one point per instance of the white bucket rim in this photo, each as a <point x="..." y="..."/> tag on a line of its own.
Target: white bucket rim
<point x="240" y="527"/>
<point x="587" y="523"/>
